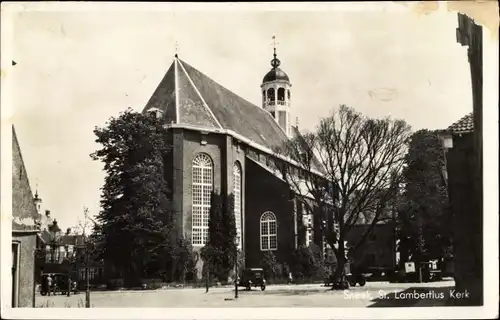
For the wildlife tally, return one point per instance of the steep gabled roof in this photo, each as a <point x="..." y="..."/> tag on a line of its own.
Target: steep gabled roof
<point x="464" y="125"/>
<point x="187" y="96"/>
<point x="24" y="214"/>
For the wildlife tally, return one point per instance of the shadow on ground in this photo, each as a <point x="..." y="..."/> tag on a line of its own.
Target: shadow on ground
<point x="415" y="297"/>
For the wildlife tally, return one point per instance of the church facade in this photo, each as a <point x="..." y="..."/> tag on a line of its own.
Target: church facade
<point x="224" y="143"/>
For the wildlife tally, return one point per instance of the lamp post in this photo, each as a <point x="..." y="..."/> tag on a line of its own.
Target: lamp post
<point x="236" y="268"/>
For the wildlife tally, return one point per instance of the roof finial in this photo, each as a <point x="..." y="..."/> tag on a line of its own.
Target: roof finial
<point x="36" y="189"/>
<point x="297" y="122"/>
<point x="274" y="45"/>
<point x="176" y="49"/>
<point x="275" y="62"/>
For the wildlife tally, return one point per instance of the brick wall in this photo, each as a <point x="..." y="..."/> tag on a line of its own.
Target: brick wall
<point x="267" y="193"/>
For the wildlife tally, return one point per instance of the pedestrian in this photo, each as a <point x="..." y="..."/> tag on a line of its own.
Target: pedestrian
<point x="49" y="284"/>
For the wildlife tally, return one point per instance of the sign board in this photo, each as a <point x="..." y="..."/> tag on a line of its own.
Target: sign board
<point x="409" y="267"/>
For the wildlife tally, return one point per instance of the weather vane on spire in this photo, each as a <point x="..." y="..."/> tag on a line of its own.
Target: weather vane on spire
<point x="275" y="62"/>
<point x="274" y="44"/>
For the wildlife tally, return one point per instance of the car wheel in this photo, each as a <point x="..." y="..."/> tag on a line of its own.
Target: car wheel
<point x="43" y="293"/>
<point x="362" y="282"/>
<point x="263" y="288"/>
<point x="352" y="283"/>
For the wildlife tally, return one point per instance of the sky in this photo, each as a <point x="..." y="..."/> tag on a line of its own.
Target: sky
<point x="77" y="69"/>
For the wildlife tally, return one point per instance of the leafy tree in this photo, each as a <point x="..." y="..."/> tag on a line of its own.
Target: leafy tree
<point x="424" y="225"/>
<point x="272" y="269"/>
<point x="220" y="250"/>
<point x="136" y="216"/>
<point x="348" y="171"/>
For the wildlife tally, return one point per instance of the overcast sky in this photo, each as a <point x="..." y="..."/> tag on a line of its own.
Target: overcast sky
<point x="77" y="69"/>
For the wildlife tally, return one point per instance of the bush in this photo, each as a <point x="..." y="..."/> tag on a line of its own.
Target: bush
<point x="272" y="269"/>
<point x="304" y="264"/>
<point x="114" y="284"/>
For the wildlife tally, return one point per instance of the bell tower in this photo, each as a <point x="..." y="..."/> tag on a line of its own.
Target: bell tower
<point x="276" y="95"/>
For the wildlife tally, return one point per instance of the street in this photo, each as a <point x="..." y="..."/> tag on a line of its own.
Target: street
<point x="373" y="294"/>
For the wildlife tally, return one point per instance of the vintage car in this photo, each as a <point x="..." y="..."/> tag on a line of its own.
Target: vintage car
<point x="252" y="277"/>
<point x="353" y="278"/>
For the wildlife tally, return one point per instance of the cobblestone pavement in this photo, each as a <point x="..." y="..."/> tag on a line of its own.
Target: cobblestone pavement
<point x="373" y="294"/>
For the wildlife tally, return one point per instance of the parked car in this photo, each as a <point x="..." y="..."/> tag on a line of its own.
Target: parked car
<point x="252" y="277"/>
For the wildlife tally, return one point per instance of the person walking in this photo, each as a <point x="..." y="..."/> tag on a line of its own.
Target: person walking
<point x="49" y="284"/>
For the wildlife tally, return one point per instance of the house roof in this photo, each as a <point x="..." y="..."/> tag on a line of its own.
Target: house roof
<point x="24" y="214"/>
<point x="187" y="96"/>
<point x="464" y="125"/>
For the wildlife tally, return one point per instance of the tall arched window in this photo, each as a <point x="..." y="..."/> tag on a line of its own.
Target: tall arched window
<point x="237" y="200"/>
<point x="202" y="188"/>
<point x="268" y="232"/>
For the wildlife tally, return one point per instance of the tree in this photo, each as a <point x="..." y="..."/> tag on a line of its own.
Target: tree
<point x="346" y="172"/>
<point x="424" y="225"/>
<point x="220" y="250"/>
<point x="136" y="217"/>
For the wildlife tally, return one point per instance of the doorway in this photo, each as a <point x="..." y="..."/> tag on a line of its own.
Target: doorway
<point x="15" y="274"/>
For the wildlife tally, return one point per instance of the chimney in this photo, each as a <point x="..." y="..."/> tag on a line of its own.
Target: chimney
<point x="47" y="213"/>
<point x="68" y="231"/>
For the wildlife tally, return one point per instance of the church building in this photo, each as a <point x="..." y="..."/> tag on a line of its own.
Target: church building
<point x="223" y="142"/>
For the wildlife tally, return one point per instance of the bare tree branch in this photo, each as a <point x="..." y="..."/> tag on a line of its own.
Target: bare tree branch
<point x="361" y="162"/>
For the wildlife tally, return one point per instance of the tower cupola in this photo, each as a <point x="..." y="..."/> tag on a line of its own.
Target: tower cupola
<point x="276" y="95"/>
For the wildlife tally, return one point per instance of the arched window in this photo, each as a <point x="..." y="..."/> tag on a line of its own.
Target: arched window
<point x="268" y="232"/>
<point x="237" y="200"/>
<point x="270" y="95"/>
<point x="281" y="94"/>
<point x="288" y="94"/>
<point x="202" y="188"/>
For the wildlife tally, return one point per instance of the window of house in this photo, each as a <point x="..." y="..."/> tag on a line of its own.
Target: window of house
<point x="202" y="187"/>
<point x="237" y="200"/>
<point x="268" y="232"/>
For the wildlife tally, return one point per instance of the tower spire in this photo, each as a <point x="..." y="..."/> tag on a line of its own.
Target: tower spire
<point x="274" y="45"/>
<point x="275" y="62"/>
<point x="176" y="49"/>
<point x="36" y="189"/>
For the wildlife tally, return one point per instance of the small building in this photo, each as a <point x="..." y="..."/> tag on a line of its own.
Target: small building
<point x="464" y="156"/>
<point x="25" y="232"/>
<point x="65" y="253"/>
